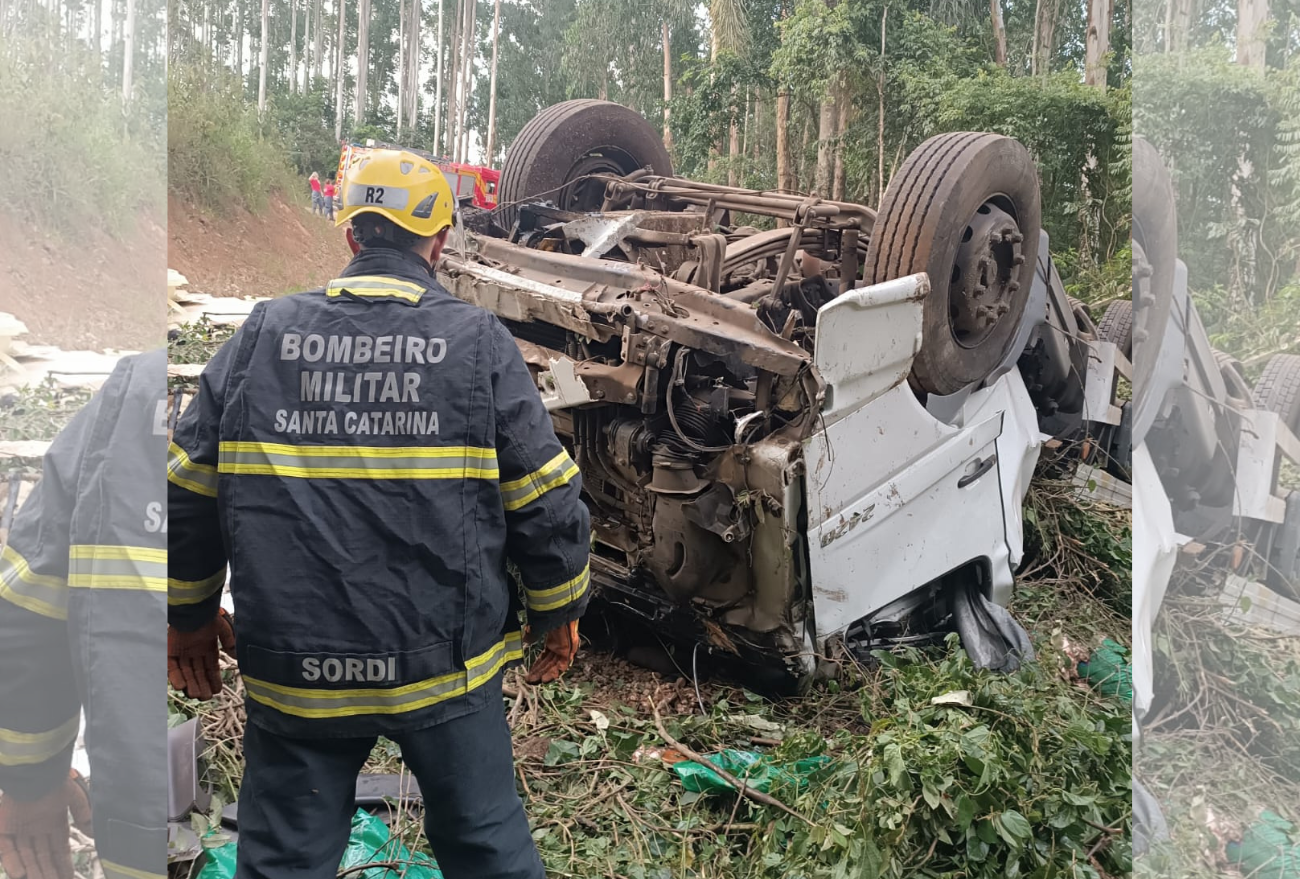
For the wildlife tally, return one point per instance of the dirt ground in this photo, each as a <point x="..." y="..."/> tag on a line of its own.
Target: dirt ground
<point x="284" y="249"/>
<point x="91" y="292"/>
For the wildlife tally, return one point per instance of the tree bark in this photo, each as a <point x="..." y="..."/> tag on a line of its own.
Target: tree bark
<point x="822" y="178"/>
<point x="1044" y="37"/>
<point x="416" y="36"/>
<point x="437" y="101"/>
<point x="492" y="96"/>
<point x="999" y="33"/>
<point x="318" y="55"/>
<point x="880" y="106"/>
<point x="471" y="50"/>
<point x="1251" y="16"/>
<point x="128" y="51"/>
<point x="733" y="146"/>
<point x="363" y="61"/>
<point x="402" y="65"/>
<point x="1097" y="43"/>
<point x="845" y="108"/>
<point x="293" y="46"/>
<point x="668" y="86"/>
<point x="339" y="71"/>
<point x="757" y="138"/>
<point x="263" y="59"/>
<point x="239" y="38"/>
<point x="453" y="80"/>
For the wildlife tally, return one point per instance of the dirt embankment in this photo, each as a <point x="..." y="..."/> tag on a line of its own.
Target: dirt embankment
<point x="85" y="290"/>
<point x="283" y="249"/>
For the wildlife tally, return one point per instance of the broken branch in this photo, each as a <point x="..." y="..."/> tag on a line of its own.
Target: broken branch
<point x="743" y="789"/>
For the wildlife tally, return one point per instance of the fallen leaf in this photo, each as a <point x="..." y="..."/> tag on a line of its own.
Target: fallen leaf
<point x="601" y="721"/>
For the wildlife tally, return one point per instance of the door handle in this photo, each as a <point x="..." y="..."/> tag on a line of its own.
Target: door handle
<point x="980" y="469"/>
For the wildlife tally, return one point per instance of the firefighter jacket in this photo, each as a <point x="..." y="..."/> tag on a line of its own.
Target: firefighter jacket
<point x="82" y="584"/>
<point x="366" y="458"/>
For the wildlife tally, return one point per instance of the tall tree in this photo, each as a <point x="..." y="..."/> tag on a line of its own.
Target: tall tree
<point x="363" y="60"/>
<point x="668" y="86"/>
<point x="999" y="33"/>
<point x="128" y="50"/>
<point x="729" y="33"/>
<point x="1098" y="42"/>
<point x="437" y="101"/>
<point x="293" y="45"/>
<point x="1251" y="18"/>
<point x="492" y="97"/>
<point x="339" y="71"/>
<point x="264" y="59"/>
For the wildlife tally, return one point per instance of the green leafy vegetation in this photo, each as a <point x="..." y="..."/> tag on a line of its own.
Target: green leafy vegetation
<point x="39" y="412"/>
<point x="218" y="154"/>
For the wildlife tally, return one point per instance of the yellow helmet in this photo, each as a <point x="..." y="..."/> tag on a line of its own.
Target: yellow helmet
<point x="409" y="190"/>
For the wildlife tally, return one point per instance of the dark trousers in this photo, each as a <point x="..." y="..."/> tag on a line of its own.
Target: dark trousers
<point x="296" y="802"/>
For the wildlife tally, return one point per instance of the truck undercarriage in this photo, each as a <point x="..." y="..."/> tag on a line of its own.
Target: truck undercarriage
<point x="798" y="439"/>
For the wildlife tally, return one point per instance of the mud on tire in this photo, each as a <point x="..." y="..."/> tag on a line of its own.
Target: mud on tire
<point x="569" y="140"/>
<point x="965" y="209"/>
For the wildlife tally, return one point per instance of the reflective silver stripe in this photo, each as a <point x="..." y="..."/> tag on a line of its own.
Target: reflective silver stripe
<point x="357" y="462"/>
<point x="198" y="478"/>
<point x="375" y="286"/>
<point x="183" y="592"/>
<point x="556" y="597"/>
<point x="317" y="703"/>
<point x="97" y="566"/>
<point x="27" y="749"/>
<point x="117" y="871"/>
<point x="556" y="472"/>
<point x="20" y="585"/>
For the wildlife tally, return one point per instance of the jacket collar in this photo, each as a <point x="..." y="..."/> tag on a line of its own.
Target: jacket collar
<point x="382" y="273"/>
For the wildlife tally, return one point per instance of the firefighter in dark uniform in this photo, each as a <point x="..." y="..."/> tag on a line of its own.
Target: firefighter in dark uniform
<point x="367" y="458"/>
<point x="82" y="585"/>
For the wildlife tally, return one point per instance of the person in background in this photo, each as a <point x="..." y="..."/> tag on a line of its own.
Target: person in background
<point x="317" y="202"/>
<point x="328" y="195"/>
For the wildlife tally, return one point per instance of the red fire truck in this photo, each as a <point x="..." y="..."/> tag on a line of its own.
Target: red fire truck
<point x="471" y="184"/>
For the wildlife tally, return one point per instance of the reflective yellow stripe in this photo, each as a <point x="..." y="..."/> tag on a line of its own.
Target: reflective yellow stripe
<point x="316" y="703"/>
<point x="103" y="566"/>
<point x="184" y="592"/>
<point x="39" y="593"/>
<point x="28" y="749"/>
<point x="558" y="596"/>
<point x="117" y="871"/>
<point x="556" y="472"/>
<point x="198" y="478"/>
<point x="375" y="286"/>
<point x="357" y="462"/>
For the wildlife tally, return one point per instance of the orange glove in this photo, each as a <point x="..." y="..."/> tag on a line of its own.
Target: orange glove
<point x="34" y="835"/>
<point x="192" y="665"/>
<point x="558" y="650"/>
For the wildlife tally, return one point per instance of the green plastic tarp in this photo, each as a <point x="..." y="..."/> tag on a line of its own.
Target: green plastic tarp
<point x="1266" y="850"/>
<point x="368" y="843"/>
<point x="1109" y="670"/>
<point x="756" y="770"/>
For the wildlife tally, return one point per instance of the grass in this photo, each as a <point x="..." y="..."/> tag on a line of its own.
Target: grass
<point x="218" y="153"/>
<point x="74" y="162"/>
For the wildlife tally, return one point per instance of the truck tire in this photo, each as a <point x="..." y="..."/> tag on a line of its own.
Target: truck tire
<point x="1278" y="388"/>
<point x="1116" y="325"/>
<point x="569" y="140"/>
<point x="964" y="209"/>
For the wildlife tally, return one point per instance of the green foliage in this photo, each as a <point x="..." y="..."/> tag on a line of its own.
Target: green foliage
<point x="934" y="769"/>
<point x="217" y="152"/>
<point x="305" y="122"/>
<point x="72" y="162"/>
<point x="39" y="412"/>
<point x="1062" y="122"/>
<point x="196" y="342"/>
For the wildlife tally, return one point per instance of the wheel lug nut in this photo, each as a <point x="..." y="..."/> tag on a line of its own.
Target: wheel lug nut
<point x="1018" y="260"/>
<point x="1017" y="238"/>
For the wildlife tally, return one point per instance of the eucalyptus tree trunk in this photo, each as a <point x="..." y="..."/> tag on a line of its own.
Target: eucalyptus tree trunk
<point x="492" y="93"/>
<point x="338" y="71"/>
<point x="262" y="60"/>
<point x="437" y="101"/>
<point x="999" y="33"/>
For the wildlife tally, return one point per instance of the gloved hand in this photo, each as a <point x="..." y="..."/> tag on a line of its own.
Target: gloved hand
<point x="34" y="835"/>
<point x="192" y="665"/>
<point x="558" y="650"/>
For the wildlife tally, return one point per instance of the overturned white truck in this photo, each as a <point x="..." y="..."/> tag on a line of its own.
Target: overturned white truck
<point x="798" y="440"/>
